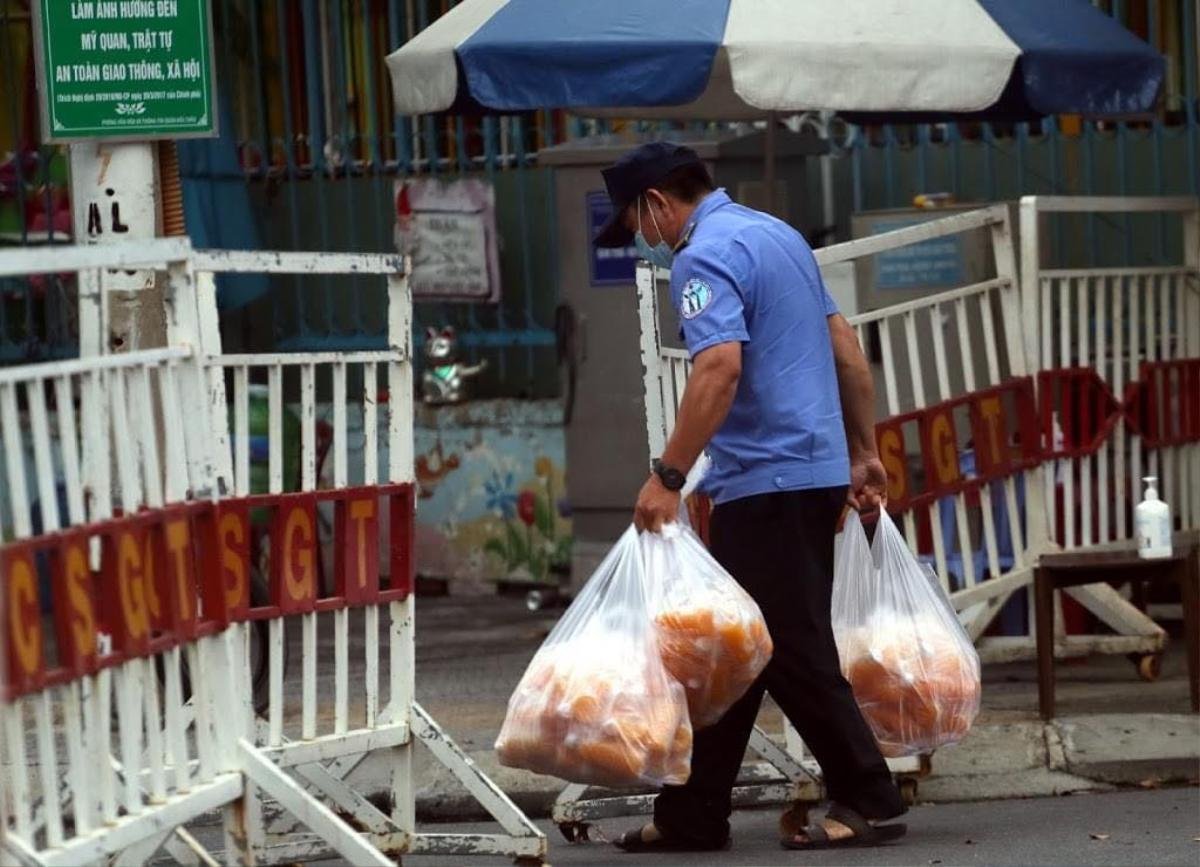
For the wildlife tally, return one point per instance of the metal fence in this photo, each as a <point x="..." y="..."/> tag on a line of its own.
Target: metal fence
<point x="315" y="146"/>
<point x="1114" y="326"/>
<point x="151" y="709"/>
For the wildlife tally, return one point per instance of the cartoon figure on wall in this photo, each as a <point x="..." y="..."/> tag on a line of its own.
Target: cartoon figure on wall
<point x="432" y="467"/>
<point x="444" y="378"/>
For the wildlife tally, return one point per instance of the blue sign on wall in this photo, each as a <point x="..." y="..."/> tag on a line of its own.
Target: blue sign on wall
<point x="937" y="262"/>
<point x="609" y="267"/>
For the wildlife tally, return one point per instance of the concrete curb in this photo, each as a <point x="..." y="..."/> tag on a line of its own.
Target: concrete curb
<point x="1007" y="760"/>
<point x="1127" y="749"/>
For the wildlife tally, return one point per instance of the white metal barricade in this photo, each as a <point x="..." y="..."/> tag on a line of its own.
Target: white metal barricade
<point x="173" y="546"/>
<point x="1115" y="329"/>
<point x="982" y="528"/>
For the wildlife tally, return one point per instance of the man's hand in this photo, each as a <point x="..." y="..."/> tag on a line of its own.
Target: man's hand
<point x="655" y="506"/>
<point x="868" y="483"/>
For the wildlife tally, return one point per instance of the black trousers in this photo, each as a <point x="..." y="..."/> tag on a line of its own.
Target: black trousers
<point x="780" y="548"/>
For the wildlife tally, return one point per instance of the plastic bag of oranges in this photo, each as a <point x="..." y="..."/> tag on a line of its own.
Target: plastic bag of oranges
<point x="914" y="670"/>
<point x="711" y="632"/>
<point x="596" y="704"/>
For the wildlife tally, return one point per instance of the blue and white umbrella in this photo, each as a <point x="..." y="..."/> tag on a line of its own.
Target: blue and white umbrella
<point x="740" y="59"/>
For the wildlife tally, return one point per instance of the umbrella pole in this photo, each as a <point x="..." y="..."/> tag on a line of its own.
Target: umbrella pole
<point x="769" y="167"/>
<point x="830" y="217"/>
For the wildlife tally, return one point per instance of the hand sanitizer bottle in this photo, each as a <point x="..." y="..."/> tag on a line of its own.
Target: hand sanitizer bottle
<point x="1152" y="521"/>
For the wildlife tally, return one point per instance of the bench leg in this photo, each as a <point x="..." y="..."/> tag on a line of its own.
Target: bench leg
<point x="1189" y="591"/>
<point x="1044" y="627"/>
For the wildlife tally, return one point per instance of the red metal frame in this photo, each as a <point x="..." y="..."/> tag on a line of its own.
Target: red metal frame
<point x="22" y="618"/>
<point x="1165" y="405"/>
<point x="156" y="588"/>
<point x="1086" y="409"/>
<point x="126" y="610"/>
<point x="294" y="553"/>
<point x="356" y="527"/>
<point x="75" y="618"/>
<point x="402" y="514"/>
<point x="1004" y="425"/>
<point x="889" y="440"/>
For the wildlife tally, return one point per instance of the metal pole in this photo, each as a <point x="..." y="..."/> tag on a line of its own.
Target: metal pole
<point x="829" y="217"/>
<point x="769" y="168"/>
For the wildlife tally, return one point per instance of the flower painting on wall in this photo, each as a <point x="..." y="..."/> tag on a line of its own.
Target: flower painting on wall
<point x="492" y="504"/>
<point x="534" y="540"/>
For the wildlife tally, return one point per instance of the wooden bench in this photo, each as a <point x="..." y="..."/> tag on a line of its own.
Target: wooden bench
<point x="1060" y="570"/>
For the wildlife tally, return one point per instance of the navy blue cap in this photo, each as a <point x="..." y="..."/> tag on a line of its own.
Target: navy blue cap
<point x="633" y="174"/>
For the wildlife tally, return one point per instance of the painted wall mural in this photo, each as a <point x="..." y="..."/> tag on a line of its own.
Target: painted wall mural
<point x="492" y="502"/>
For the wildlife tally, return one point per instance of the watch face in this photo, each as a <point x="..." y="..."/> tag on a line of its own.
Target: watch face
<point x="672" y="479"/>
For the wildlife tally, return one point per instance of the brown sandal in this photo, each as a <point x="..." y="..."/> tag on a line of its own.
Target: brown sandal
<point x="863" y="833"/>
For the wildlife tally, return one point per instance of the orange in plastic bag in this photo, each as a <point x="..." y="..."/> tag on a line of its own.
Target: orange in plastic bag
<point x="711" y="634"/>
<point x="596" y="704"/>
<point x="917" y="693"/>
<point x="914" y="671"/>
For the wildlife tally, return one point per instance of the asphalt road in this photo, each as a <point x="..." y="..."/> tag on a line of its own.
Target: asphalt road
<point x="471" y="651"/>
<point x="1127" y="828"/>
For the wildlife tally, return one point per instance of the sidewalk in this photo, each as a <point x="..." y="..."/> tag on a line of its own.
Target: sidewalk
<point x="1113" y="728"/>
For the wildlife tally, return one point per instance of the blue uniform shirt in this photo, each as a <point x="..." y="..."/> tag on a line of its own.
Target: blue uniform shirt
<point x="744" y="275"/>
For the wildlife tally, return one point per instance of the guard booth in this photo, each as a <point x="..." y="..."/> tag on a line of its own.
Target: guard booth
<point x="606" y="451"/>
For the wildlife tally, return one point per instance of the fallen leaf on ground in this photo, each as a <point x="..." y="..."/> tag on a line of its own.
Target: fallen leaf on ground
<point x="1100" y="836"/>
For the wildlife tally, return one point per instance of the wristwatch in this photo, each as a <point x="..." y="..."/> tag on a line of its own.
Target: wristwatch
<point x="672" y="479"/>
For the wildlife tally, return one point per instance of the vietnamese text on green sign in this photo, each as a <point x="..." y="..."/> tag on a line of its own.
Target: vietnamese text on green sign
<point x="127" y="68"/>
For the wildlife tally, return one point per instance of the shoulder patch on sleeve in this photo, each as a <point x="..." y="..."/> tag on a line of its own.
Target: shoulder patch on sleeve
<point x="696" y="296"/>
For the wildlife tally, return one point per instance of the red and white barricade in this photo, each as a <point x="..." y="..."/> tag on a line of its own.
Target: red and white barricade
<point x="167" y="585"/>
<point x="1116" y="350"/>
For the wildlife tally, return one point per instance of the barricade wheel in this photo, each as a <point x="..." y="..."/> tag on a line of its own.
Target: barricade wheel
<point x="575" y="832"/>
<point x="908" y="790"/>
<point x="1149" y="666"/>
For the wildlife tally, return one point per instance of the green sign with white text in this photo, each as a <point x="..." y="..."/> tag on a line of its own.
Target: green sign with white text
<point x="125" y="69"/>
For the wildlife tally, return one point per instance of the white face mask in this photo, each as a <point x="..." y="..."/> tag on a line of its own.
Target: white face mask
<point x="660" y="255"/>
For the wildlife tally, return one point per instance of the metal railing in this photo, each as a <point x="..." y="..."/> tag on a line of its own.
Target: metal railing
<point x="1113" y="320"/>
<point x="318" y="145"/>
<point x="152" y="565"/>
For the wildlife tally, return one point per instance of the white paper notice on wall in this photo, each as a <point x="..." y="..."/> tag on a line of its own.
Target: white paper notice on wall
<point x="449" y="229"/>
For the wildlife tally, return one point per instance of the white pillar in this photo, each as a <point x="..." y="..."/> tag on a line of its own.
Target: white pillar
<point x="114" y="199"/>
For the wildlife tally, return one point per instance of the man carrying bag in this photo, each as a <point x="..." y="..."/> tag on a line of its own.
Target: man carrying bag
<point x="782" y="398"/>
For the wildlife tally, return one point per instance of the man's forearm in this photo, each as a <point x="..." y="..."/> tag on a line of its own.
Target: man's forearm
<point x="857" y="388"/>
<point x="706" y="402"/>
